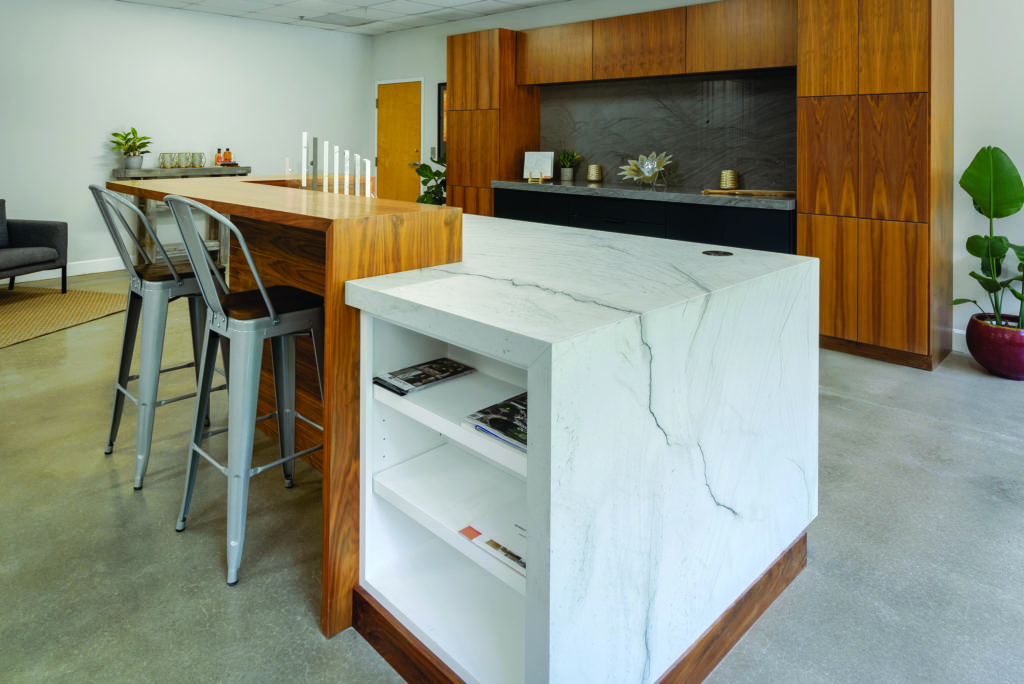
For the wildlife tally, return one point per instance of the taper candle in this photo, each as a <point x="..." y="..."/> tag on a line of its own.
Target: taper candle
<point x="305" y="160"/>
<point x="336" y="152"/>
<point x="327" y="164"/>
<point x="367" y="160"/>
<point x="355" y="187"/>
<point x="345" y="189"/>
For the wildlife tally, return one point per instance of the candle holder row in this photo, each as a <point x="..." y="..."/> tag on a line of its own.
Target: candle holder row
<point x="311" y="168"/>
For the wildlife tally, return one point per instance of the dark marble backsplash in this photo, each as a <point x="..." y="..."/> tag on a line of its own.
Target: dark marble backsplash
<point x="707" y="122"/>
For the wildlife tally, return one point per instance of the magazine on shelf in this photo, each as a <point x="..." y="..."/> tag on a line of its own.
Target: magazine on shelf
<point x="415" y="378"/>
<point x="502" y="534"/>
<point x="505" y="421"/>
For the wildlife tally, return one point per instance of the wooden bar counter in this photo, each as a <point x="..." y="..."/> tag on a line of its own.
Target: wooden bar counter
<point x="317" y="241"/>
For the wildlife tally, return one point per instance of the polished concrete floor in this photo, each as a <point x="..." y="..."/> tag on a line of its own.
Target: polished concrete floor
<point x="915" y="566"/>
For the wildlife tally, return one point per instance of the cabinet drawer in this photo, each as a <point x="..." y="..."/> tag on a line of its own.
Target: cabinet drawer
<point x="524" y="205"/>
<point x="640" y="211"/>
<point x="695" y="223"/>
<point x="618" y="225"/>
<point x="769" y="230"/>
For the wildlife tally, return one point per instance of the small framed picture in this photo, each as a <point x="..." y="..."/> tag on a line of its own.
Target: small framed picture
<point x="538" y="165"/>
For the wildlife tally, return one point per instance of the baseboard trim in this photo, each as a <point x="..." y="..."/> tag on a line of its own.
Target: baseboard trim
<point x="902" y="358"/>
<point x="416" y="663"/>
<point x="75" y="268"/>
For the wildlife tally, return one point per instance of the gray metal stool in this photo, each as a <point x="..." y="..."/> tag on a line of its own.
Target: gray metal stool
<point x="153" y="285"/>
<point x="246" y="319"/>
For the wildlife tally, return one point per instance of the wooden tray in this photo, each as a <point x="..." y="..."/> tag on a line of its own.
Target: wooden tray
<point x="752" y="193"/>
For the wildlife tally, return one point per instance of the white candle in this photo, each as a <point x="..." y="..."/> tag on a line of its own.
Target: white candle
<point x="336" y="152"/>
<point x="327" y="163"/>
<point x="305" y="159"/>
<point x="355" y="188"/>
<point x="345" y="190"/>
<point x="367" y="160"/>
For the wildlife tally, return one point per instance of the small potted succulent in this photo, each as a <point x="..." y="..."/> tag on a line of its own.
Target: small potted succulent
<point x="131" y="145"/>
<point x="568" y="159"/>
<point x="996" y="339"/>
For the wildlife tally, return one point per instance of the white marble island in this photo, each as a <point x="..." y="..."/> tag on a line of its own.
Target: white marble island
<point x="672" y="453"/>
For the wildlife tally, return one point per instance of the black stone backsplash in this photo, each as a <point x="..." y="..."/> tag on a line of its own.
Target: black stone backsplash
<point x="708" y="122"/>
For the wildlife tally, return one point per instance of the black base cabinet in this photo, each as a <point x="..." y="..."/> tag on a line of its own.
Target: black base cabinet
<point x="770" y="230"/>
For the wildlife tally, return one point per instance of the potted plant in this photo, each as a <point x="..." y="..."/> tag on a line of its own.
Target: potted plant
<point x="433" y="181"/>
<point x="996" y="339"/>
<point x="568" y="159"/>
<point x="132" y="146"/>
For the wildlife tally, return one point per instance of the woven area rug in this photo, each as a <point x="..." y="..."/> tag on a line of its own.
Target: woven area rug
<point x="30" y="312"/>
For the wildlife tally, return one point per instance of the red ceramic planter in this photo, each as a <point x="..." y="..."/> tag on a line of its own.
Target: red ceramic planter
<point x="998" y="348"/>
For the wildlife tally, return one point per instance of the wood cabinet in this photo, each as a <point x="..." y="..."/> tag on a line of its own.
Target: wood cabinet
<point x="827" y="47"/>
<point x="894" y="157"/>
<point x="472" y="200"/>
<point x="640" y="45"/>
<point x="895" y="48"/>
<point x="473" y="147"/>
<point x="555" y="54"/>
<point x="827" y="164"/>
<point x="473" y="61"/>
<point x="741" y="34"/>
<point x="833" y="241"/>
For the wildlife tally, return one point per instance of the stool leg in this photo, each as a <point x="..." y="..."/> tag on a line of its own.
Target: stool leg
<point x="283" y="350"/>
<point x="207" y="362"/>
<point x="197" y="325"/>
<point x="246" y="355"/>
<point x="131" y="328"/>
<point x="151" y="350"/>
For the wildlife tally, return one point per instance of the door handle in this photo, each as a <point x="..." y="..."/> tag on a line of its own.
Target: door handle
<point x="414" y="163"/>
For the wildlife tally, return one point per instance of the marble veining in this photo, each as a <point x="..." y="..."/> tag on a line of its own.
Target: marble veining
<point x="744" y="121"/>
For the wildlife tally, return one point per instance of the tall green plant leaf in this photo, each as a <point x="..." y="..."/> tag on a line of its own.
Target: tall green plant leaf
<point x="994" y="183"/>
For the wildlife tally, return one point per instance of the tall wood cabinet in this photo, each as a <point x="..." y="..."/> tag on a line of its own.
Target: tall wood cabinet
<point x="491" y="120"/>
<point x="874" y="173"/>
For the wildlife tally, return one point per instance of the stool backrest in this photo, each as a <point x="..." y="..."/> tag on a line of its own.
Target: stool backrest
<point x="110" y="205"/>
<point x="211" y="283"/>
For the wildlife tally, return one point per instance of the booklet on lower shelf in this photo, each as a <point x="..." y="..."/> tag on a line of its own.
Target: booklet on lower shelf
<point x="505" y="420"/>
<point x="502" y="534"/>
<point x="427" y="374"/>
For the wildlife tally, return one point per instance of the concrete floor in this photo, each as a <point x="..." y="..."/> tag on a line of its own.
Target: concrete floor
<point x="915" y="567"/>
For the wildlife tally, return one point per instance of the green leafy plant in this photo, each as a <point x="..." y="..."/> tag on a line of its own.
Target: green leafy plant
<point x="568" y="159"/>
<point x="995" y="185"/>
<point x="433" y="181"/>
<point x="130" y="143"/>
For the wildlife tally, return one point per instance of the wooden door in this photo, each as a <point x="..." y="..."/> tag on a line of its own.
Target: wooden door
<point x="555" y="54"/>
<point x="826" y="155"/>
<point x="398" y="140"/>
<point x="473" y="70"/>
<point x="894" y="169"/>
<point x="640" y="45"/>
<point x="741" y="34"/>
<point x="827" y="47"/>
<point x="833" y="241"/>
<point x="895" y="46"/>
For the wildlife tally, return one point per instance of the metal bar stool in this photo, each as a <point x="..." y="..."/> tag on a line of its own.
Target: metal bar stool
<point x="153" y="285"/>
<point x="245" y="319"/>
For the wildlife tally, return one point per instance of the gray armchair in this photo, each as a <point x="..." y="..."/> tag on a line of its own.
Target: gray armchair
<point x="30" y="246"/>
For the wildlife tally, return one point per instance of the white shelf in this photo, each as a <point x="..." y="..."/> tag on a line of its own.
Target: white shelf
<point x="443" y="408"/>
<point x="446" y="489"/>
<point x="469" y="619"/>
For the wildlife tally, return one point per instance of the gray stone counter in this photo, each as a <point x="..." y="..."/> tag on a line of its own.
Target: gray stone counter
<point x="634" y="191"/>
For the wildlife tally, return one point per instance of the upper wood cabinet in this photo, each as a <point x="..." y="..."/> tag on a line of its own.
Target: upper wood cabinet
<point x="741" y="34"/>
<point x="640" y="45"/>
<point x="827" y="47"/>
<point x="895" y="47"/>
<point x="894" y="165"/>
<point x="827" y="155"/>
<point x="473" y="70"/>
<point x="555" y="54"/>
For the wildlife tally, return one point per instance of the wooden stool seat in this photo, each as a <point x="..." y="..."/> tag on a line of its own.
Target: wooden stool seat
<point x="249" y="305"/>
<point x="158" y="272"/>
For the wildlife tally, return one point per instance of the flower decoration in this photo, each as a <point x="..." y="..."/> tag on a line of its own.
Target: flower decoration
<point x="646" y="169"/>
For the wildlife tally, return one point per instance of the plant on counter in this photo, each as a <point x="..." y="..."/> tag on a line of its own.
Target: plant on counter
<point x="567" y="159"/>
<point x="130" y="142"/>
<point x="996" y="339"/>
<point x="433" y="181"/>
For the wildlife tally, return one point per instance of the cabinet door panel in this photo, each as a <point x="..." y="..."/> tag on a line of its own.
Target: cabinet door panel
<point x="471" y="200"/>
<point x="894" y="46"/>
<point x="525" y="205"/>
<point x="555" y="54"/>
<point x="473" y="68"/>
<point x="769" y="230"/>
<point x="640" y="45"/>
<point x="894" y="157"/>
<point x="473" y="147"/>
<point x="833" y="241"/>
<point x="893" y="274"/>
<point x="826" y="158"/>
<point x="741" y="34"/>
<point x="694" y="223"/>
<point x="827" y="48"/>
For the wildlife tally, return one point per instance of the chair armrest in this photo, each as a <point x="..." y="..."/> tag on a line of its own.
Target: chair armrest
<point x="30" y="233"/>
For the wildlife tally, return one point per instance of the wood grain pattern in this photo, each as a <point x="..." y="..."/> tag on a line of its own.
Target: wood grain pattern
<point x="827" y="169"/>
<point x="473" y="147"/>
<point x="827" y="47"/>
<point x="640" y="45"/>
<point x="902" y="358"/>
<point x="398" y="139"/>
<point x="893" y="271"/>
<point x="396" y="644"/>
<point x="519" y="115"/>
<point x="894" y="51"/>
<point x="705" y="654"/>
<point x="940" y="145"/>
<point x="894" y="169"/>
<point x="478" y="201"/>
<point x="833" y="241"/>
<point x="741" y="34"/>
<point x="473" y="70"/>
<point x="555" y="54"/>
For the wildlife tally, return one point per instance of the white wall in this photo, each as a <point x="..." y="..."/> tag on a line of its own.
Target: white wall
<point x="73" y="71"/>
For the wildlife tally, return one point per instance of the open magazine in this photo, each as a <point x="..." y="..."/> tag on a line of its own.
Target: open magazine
<point x="505" y="421"/>
<point x="415" y="378"/>
<point x="502" y="534"/>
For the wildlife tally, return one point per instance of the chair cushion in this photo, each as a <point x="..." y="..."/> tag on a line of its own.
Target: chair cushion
<point x="249" y="305"/>
<point x="4" y="240"/>
<point x="15" y="257"/>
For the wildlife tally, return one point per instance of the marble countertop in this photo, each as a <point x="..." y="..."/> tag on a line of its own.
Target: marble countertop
<point x="524" y="286"/>
<point x="634" y="191"/>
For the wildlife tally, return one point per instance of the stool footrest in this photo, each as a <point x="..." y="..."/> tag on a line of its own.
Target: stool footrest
<point x="259" y="469"/>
